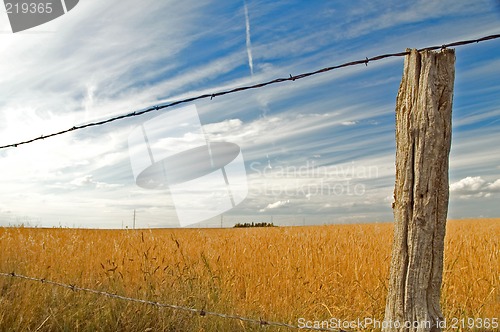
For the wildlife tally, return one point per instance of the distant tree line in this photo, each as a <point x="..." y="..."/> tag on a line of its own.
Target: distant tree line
<point x="258" y="224"/>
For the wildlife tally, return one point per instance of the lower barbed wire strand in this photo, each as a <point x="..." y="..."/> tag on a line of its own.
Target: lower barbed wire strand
<point x="201" y="312"/>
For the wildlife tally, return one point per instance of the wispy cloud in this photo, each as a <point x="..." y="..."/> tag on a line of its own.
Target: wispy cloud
<point x="172" y="50"/>
<point x="382" y="15"/>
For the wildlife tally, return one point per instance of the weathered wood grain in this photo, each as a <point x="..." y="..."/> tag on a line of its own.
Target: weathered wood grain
<point x="423" y="140"/>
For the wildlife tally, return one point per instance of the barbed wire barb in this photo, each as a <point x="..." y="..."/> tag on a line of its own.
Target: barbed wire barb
<point x="201" y="312"/>
<point x="249" y="87"/>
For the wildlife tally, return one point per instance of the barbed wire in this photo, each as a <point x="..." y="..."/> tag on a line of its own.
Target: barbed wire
<point x="364" y="61"/>
<point x="200" y="312"/>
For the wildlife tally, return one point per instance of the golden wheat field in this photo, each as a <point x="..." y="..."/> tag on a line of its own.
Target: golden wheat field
<point x="278" y="274"/>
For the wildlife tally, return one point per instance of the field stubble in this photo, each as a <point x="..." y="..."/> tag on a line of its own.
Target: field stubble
<point x="278" y="274"/>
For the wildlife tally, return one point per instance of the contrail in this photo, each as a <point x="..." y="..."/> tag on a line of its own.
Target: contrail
<point x="249" y="42"/>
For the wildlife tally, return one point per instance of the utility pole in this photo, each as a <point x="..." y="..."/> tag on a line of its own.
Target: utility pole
<point x="134" y="220"/>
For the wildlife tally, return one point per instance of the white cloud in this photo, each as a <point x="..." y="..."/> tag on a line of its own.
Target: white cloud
<point x="275" y="205"/>
<point x="222" y="128"/>
<point x="469" y="184"/>
<point x="348" y="123"/>
<point x="88" y="181"/>
<point x="495" y="186"/>
<point x="83" y="181"/>
<point x="474" y="187"/>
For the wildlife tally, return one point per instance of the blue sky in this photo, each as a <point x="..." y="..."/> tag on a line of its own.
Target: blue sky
<point x="318" y="150"/>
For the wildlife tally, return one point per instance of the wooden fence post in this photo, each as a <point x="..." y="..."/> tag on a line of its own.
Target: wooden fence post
<point x="423" y="139"/>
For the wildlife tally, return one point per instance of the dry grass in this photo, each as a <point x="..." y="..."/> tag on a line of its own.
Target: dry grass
<point x="279" y="274"/>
